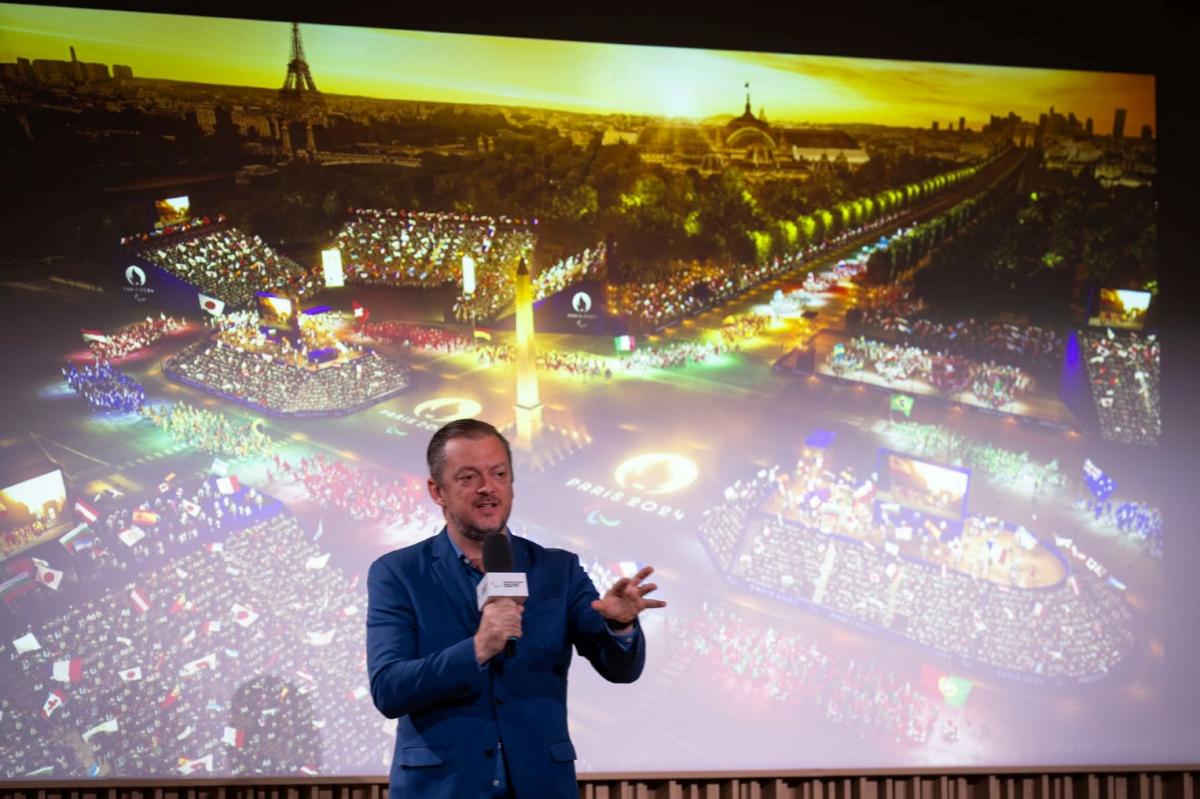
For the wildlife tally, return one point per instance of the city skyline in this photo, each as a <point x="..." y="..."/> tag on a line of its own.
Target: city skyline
<point x="572" y="76"/>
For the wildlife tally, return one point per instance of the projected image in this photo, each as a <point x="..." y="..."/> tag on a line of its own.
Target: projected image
<point x="1122" y="308"/>
<point x="30" y="507"/>
<point x="172" y="211"/>
<point x="923" y="486"/>
<point x="276" y="312"/>
<point x="803" y="333"/>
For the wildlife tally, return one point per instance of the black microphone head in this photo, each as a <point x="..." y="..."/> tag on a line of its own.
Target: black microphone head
<point x="497" y="553"/>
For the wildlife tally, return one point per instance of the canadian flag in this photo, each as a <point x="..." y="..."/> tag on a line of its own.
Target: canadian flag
<point x="54" y="700"/>
<point x="234" y="737"/>
<point x="86" y="511"/>
<point x="190" y="507"/>
<point x="51" y="578"/>
<point x="132" y="675"/>
<point x="243" y="615"/>
<point x="211" y="304"/>
<point x="228" y="485"/>
<point x="67" y="671"/>
<point x="141" y="602"/>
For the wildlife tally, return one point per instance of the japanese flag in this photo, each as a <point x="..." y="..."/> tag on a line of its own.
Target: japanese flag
<point x="51" y="578"/>
<point x="243" y="615"/>
<point x="132" y="675"/>
<point x="211" y="304"/>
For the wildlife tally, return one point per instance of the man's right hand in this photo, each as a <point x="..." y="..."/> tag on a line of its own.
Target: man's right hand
<point x="501" y="621"/>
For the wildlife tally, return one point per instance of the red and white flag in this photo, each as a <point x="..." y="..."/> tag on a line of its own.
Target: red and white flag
<point x="93" y="335"/>
<point x="187" y="639"/>
<point x="215" y="547"/>
<point x="141" y="602"/>
<point x="86" y="511"/>
<point x="228" y="485"/>
<point x="211" y="304"/>
<point x="67" y="671"/>
<point x="212" y="626"/>
<point x="54" y="700"/>
<point x="243" y="615"/>
<point x="132" y="535"/>
<point x="234" y="737"/>
<point x="209" y="661"/>
<point x="132" y="675"/>
<point x="51" y="578"/>
<point x="190" y="508"/>
<point x="192" y="766"/>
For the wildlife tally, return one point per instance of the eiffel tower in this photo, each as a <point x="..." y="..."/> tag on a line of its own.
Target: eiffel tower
<point x="298" y="85"/>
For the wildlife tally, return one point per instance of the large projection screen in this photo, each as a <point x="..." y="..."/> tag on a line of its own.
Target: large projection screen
<point x="748" y="275"/>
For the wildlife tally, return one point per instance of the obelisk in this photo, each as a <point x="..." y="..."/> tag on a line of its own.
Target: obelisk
<point x="529" y="406"/>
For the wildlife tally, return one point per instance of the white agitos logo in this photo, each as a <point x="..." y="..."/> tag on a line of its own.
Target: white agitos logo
<point x="581" y="302"/>
<point x="657" y="473"/>
<point x="447" y="409"/>
<point x="135" y="276"/>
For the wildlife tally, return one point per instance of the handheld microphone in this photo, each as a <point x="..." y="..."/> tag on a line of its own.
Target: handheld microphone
<point x="499" y="579"/>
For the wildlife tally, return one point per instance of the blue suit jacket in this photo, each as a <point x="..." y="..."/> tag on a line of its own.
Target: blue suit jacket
<point x="421" y="660"/>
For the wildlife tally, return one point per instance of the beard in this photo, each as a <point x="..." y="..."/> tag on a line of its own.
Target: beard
<point x="475" y="533"/>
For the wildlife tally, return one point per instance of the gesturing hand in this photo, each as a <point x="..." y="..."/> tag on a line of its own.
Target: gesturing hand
<point x="627" y="598"/>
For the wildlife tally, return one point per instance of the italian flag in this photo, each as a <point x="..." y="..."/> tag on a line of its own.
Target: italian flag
<point x="67" y="671"/>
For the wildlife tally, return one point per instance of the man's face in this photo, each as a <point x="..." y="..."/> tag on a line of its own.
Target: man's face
<point x="475" y="487"/>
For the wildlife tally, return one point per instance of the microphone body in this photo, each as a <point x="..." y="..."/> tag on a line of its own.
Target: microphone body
<point x="499" y="580"/>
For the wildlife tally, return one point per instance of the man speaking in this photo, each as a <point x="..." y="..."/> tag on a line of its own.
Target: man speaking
<point x="481" y="693"/>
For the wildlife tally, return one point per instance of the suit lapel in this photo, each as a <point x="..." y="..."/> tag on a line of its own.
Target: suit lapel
<point x="444" y="565"/>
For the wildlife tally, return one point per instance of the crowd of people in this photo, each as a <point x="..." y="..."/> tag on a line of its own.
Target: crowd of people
<point x="965" y="597"/>
<point x="690" y="288"/>
<point x="231" y="266"/>
<point x="738" y="328"/>
<point x="426" y="249"/>
<point x="669" y="356"/>
<point x="568" y="363"/>
<point x="1140" y="520"/>
<point x="359" y="494"/>
<point x="1027" y="346"/>
<point x="227" y="652"/>
<point x="417" y="337"/>
<point x="262" y="380"/>
<point x="1123" y="369"/>
<point x="132" y="338"/>
<point x="209" y="431"/>
<point x="796" y="671"/>
<point x="589" y="263"/>
<point x="992" y="385"/>
<point x="104" y="386"/>
<point x="1004" y="467"/>
<point x="244" y="331"/>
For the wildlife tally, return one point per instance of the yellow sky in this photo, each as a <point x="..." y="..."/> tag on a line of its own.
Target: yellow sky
<point x="569" y="75"/>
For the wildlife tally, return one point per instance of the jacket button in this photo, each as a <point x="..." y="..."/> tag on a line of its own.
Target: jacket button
<point x="499" y="700"/>
<point x="489" y="752"/>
